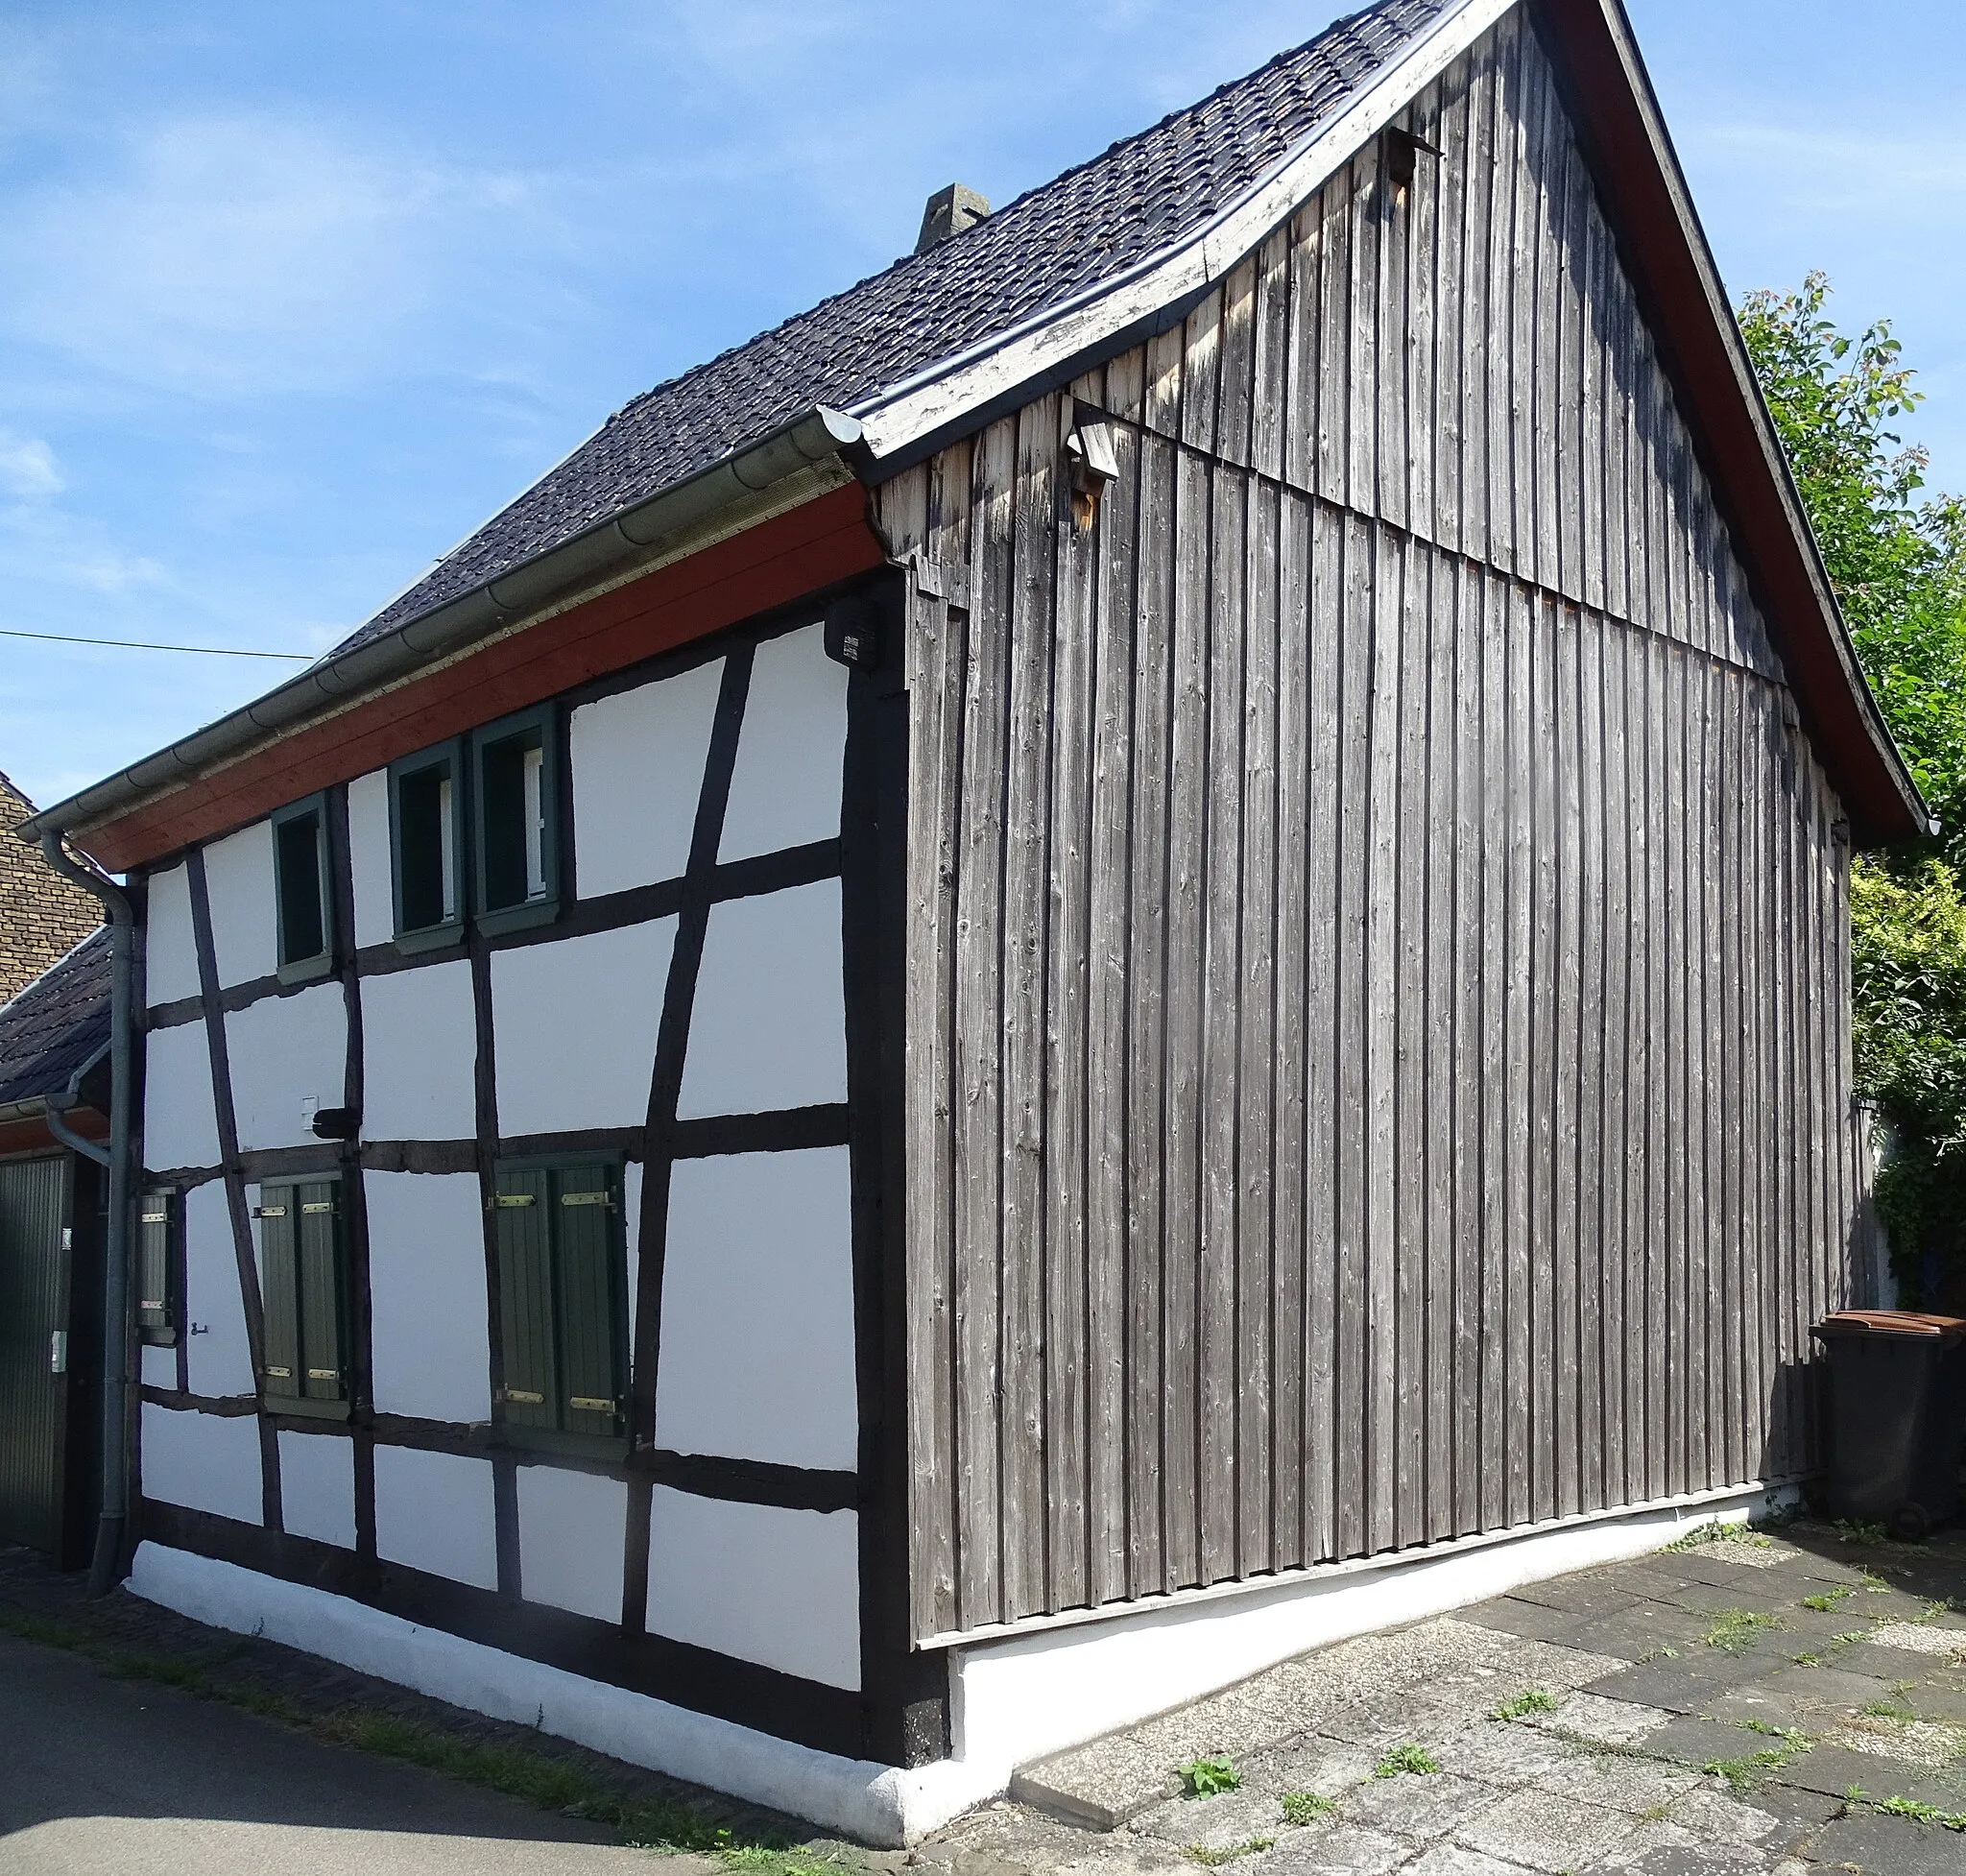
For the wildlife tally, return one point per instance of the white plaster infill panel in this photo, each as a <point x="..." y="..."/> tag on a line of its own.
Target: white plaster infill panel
<point x="159" y="1368"/>
<point x="170" y="953"/>
<point x="426" y="1286"/>
<point x="791" y="752"/>
<point x="218" y="1356"/>
<point x="572" y="1527"/>
<point x="433" y="1512"/>
<point x="288" y="1056"/>
<point x="777" y="1587"/>
<point x="180" y="1128"/>
<point x="317" y="1487"/>
<point x="877" y="1804"/>
<point x="769" y="1027"/>
<point x="757" y="1311"/>
<point x="574" y="1024"/>
<point x="208" y="1461"/>
<point x="369" y="858"/>
<point x="238" y="884"/>
<point x="419" y="1050"/>
<point x="637" y="773"/>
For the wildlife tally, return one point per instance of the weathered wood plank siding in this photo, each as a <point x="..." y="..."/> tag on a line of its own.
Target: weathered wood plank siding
<point x="1378" y="980"/>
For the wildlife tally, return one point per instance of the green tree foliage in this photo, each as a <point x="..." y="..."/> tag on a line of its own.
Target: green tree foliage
<point x="1897" y="560"/>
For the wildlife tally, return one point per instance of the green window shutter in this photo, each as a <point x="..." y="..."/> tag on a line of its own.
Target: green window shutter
<point x="319" y="1299"/>
<point x="520" y="1209"/>
<point x="279" y="1292"/>
<point x="156" y="1269"/>
<point x="585" y="1212"/>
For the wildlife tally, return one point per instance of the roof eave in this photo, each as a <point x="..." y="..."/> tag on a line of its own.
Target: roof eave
<point x="794" y="463"/>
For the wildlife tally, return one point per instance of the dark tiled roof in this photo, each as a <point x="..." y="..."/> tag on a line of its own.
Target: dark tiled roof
<point x="56" y="1023"/>
<point x="1091" y="222"/>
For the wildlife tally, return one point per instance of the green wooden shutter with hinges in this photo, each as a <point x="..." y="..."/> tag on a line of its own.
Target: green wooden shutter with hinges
<point x="561" y="1291"/>
<point x="317" y="1236"/>
<point x="156" y="1269"/>
<point x="588" y="1288"/>
<point x="279" y="1292"/>
<point x="303" y="1298"/>
<point x="520" y="1206"/>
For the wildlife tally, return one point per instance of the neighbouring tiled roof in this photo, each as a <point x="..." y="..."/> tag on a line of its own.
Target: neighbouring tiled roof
<point x="41" y="914"/>
<point x="1091" y="222"/>
<point x="56" y="1023"/>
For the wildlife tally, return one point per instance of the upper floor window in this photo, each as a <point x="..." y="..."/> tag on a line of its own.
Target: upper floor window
<point x="302" y="894"/>
<point x="517" y="846"/>
<point x="425" y="824"/>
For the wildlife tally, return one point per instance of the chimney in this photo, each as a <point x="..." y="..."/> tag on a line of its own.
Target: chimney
<point x="950" y="211"/>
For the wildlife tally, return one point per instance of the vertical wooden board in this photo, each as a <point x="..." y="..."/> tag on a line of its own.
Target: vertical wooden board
<point x="1593" y="443"/>
<point x="1577" y="462"/>
<point x="1201" y="376"/>
<point x="1294" y="1292"/>
<point x="1612" y="1140"/>
<point x="1447" y="414"/>
<point x="1647" y="1302"/>
<point x="1726" y="1107"/>
<point x="901" y="503"/>
<point x="1467" y="924"/>
<point x="1527" y="341"/>
<point x="323" y="1301"/>
<point x="526" y="1299"/>
<point x="1326" y="1241"/>
<point x="1387" y="419"/>
<point x="1520" y="1092"/>
<point x="1255" y="1271"/>
<point x="1411" y="1248"/>
<point x="1336" y="322"/>
<point x="279" y="1286"/>
<point x="1479" y="236"/>
<point x="1067" y="952"/>
<point x="1762" y="1118"/>
<point x="1272" y="393"/>
<point x="1582" y="1170"/>
<point x="1565" y="1088"/>
<point x="1508" y="328"/>
<point x="950" y="507"/>
<point x="1126" y="384"/>
<point x="1545" y="1012"/>
<point x="1682" y="1140"/>
<point x="1499" y="1441"/>
<point x="1149" y="1426"/>
<point x="1186" y="885"/>
<point x="978" y="1038"/>
<point x="1419" y="263"/>
<point x="588" y="1260"/>
<point x="1440" y="832"/>
<point x="1614" y="320"/>
<point x="1366" y="334"/>
<point x="1351" y="1351"/>
<point x="1221" y="962"/>
<point x="1110" y="1347"/>
<point x="1302" y="411"/>
<point x="1234" y="415"/>
<point x="1707" y="1063"/>
<point x="1024" y="1434"/>
<point x="1160" y="394"/>
<point x="1391" y="570"/>
<point x="938" y="648"/>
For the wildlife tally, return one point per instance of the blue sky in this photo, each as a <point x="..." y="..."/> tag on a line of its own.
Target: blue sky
<point x="292" y="296"/>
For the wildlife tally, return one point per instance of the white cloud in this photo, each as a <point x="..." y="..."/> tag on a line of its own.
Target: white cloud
<point x="28" y="469"/>
<point x="239" y="255"/>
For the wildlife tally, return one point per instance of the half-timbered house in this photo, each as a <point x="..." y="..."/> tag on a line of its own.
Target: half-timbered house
<point x="1126" y="951"/>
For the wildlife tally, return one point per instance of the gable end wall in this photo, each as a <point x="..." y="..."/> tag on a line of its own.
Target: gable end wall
<point x="1377" y="982"/>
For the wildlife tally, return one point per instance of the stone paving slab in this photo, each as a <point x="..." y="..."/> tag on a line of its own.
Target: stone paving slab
<point x="1642" y="1698"/>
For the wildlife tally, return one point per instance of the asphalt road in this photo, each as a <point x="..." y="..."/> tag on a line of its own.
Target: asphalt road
<point x="101" y="1776"/>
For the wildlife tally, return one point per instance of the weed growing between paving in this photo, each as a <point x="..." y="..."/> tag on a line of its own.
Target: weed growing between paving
<point x="1747" y="1772"/>
<point x="1306" y="1806"/>
<point x="1828" y="1599"/>
<point x="1408" y="1758"/>
<point x="1250" y="1847"/>
<point x="1735" y="1630"/>
<point x="1717" y="1532"/>
<point x="1856" y="1799"/>
<point x="1534" y="1699"/>
<point x="1207" y="1778"/>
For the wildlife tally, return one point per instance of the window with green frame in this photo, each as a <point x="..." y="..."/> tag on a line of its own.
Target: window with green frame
<point x="303" y="1288"/>
<point x="563" y="1301"/>
<point x="515" y="820"/>
<point x="303" y="892"/>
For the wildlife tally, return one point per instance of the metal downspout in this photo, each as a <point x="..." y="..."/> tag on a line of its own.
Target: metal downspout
<point x="104" y="1568"/>
<point x="55" y="1106"/>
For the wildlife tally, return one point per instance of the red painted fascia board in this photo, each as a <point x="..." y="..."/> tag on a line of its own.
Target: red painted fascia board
<point x="1624" y="135"/>
<point x="774" y="563"/>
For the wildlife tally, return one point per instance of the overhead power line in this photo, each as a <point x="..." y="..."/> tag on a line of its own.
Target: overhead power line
<point x="145" y="644"/>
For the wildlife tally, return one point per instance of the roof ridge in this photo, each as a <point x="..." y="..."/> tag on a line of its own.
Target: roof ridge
<point x="901" y="262"/>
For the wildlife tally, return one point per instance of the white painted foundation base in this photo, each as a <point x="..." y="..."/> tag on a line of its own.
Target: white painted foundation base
<point x="1014" y="1698"/>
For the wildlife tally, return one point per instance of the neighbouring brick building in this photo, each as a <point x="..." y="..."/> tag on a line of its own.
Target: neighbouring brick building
<point x="43" y="916"/>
